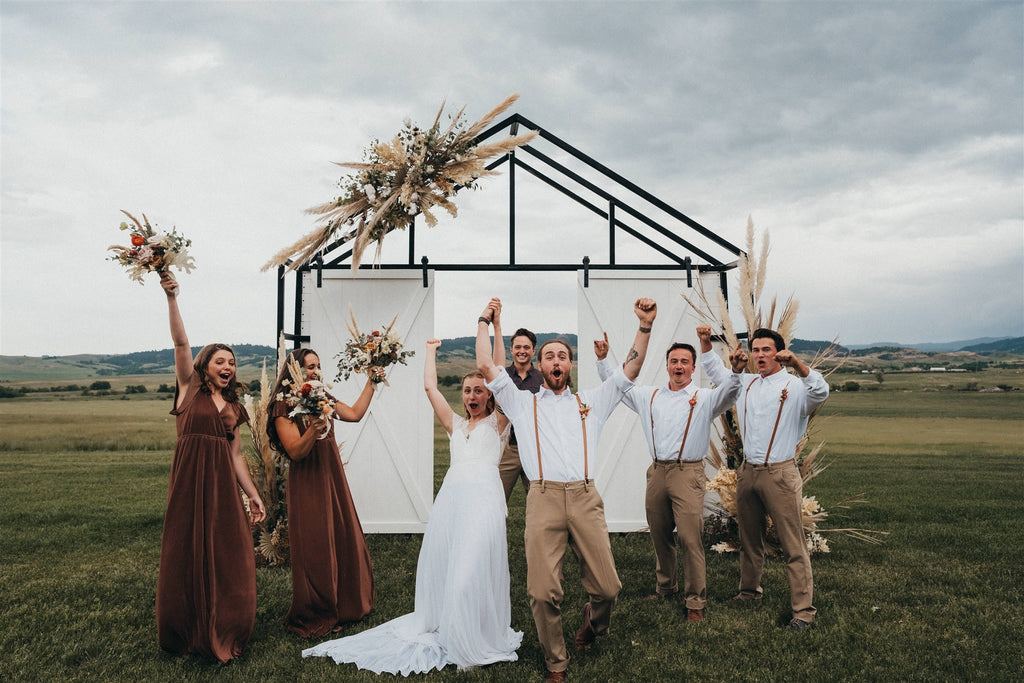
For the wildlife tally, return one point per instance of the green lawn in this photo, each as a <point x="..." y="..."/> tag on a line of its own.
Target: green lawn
<point x="83" y="483"/>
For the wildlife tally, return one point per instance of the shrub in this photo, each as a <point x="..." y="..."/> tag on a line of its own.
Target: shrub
<point x="100" y="385"/>
<point x="851" y="386"/>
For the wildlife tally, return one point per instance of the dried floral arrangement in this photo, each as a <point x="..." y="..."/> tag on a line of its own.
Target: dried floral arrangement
<point x="370" y="354"/>
<point x="417" y="171"/>
<point x="306" y="396"/>
<point x="269" y="472"/>
<point x="151" y="251"/>
<point x="721" y="527"/>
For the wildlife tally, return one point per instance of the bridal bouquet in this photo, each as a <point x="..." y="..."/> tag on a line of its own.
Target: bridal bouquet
<point x="417" y="170"/>
<point x="151" y="250"/>
<point x="370" y="354"/>
<point x="307" y="398"/>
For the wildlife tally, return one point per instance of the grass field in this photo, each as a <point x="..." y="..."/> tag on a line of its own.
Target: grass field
<point x="83" y="483"/>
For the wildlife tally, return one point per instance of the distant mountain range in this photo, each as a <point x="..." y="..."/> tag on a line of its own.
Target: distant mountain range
<point x="978" y="345"/>
<point x="251" y="356"/>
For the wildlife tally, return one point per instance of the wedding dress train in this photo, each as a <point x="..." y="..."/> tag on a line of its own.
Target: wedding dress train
<point x="462" y="612"/>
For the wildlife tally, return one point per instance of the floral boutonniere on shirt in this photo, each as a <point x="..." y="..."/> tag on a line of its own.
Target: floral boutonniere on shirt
<point x="784" y="395"/>
<point x="584" y="411"/>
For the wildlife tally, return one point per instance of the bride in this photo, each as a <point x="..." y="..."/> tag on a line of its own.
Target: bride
<point x="463" y="613"/>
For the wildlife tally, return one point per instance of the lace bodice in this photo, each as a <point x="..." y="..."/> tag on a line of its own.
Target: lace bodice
<point x="481" y="445"/>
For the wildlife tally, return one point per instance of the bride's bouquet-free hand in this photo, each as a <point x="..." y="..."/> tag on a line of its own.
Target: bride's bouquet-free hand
<point x="308" y="398"/>
<point x="151" y="251"/>
<point x="370" y="353"/>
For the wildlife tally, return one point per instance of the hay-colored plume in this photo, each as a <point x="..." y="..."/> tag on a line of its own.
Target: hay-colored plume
<point x="752" y="274"/>
<point x="268" y="470"/>
<point x="416" y="172"/>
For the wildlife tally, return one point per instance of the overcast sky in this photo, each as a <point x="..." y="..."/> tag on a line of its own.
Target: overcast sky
<point x="880" y="144"/>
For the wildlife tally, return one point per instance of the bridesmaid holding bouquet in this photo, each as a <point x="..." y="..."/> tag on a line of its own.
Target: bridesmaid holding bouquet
<point x="206" y="588"/>
<point x="332" y="576"/>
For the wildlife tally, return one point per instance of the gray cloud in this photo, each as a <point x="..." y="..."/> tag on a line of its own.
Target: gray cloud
<point x="880" y="144"/>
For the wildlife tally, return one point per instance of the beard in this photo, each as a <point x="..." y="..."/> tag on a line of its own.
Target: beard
<point x="556" y="383"/>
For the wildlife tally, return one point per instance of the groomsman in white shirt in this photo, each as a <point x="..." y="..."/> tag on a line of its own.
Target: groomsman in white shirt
<point x="676" y="420"/>
<point x="558" y="433"/>
<point x="772" y="410"/>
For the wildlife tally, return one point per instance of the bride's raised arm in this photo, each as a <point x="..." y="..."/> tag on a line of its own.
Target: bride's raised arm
<point x="434" y="395"/>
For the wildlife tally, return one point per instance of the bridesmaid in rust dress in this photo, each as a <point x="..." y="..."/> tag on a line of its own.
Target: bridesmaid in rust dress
<point x="206" y="588"/>
<point x="332" y="577"/>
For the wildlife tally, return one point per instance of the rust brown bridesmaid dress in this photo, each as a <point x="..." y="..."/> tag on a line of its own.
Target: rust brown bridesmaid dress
<point x="206" y="589"/>
<point x="332" y="576"/>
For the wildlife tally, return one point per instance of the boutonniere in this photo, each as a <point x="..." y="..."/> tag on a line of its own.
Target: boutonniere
<point x="693" y="400"/>
<point x="584" y="411"/>
<point x="784" y="395"/>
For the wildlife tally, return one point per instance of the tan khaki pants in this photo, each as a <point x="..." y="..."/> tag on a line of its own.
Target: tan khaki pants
<point x="775" y="490"/>
<point x="675" y="500"/>
<point x="556" y="511"/>
<point x="511" y="469"/>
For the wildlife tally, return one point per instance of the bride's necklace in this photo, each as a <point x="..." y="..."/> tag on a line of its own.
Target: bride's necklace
<point x="472" y="423"/>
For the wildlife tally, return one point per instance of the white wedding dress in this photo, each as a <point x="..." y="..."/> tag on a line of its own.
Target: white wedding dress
<point x="463" y="611"/>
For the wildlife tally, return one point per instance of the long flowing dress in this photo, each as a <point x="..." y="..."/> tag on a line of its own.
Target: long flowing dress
<point x="332" y="576"/>
<point x="462" y="612"/>
<point x="206" y="588"/>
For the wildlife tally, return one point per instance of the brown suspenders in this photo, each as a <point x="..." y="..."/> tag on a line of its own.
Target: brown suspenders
<point x="782" y="400"/>
<point x="583" y="425"/>
<point x="686" y="432"/>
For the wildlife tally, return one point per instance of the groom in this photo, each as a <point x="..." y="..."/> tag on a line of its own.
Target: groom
<point x="558" y="433"/>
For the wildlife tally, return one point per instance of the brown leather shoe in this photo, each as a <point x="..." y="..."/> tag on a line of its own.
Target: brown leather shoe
<point x="555" y="676"/>
<point x="694" y="615"/>
<point x="585" y="637"/>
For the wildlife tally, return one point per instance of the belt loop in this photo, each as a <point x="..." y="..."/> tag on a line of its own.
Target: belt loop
<point x="586" y="485"/>
<point x="542" y="486"/>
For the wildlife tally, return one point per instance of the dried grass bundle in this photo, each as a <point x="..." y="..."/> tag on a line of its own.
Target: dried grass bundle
<point x="269" y="471"/>
<point x="721" y="525"/>
<point x="416" y="172"/>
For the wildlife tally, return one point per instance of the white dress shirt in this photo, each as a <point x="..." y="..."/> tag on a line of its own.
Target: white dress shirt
<point x="757" y="408"/>
<point x="559" y="425"/>
<point x="671" y="411"/>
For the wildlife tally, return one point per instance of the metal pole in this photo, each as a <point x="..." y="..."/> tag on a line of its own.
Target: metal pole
<point x="512" y="208"/>
<point x="280" y="304"/>
<point x="611" y="232"/>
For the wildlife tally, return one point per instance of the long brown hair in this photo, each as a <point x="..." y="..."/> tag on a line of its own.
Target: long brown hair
<point x="490" y="399"/>
<point x="202" y="363"/>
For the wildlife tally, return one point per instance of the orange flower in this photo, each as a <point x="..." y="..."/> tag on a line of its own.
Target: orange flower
<point x="138" y="240"/>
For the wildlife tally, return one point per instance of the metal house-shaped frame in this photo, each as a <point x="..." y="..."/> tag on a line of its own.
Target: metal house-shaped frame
<point x="618" y="208"/>
<point x="390" y="452"/>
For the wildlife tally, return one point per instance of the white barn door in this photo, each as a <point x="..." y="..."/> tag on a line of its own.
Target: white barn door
<point x="606" y="305"/>
<point x="389" y="454"/>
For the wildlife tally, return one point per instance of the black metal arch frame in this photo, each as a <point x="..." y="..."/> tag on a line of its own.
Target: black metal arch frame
<point x="616" y="205"/>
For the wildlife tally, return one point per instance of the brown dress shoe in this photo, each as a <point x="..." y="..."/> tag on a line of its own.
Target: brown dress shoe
<point x="585" y="637"/>
<point x="555" y="676"/>
<point x="694" y="615"/>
